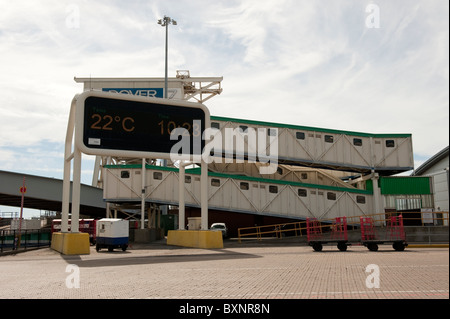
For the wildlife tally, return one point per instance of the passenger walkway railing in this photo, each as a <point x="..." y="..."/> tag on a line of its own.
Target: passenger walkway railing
<point x="29" y="238"/>
<point x="296" y="229"/>
<point x="277" y="230"/>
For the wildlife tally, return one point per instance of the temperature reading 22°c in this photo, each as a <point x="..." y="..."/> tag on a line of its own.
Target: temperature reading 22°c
<point x="106" y="122"/>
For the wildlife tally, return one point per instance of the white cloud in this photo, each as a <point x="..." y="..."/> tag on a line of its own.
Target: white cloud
<point x="312" y="63"/>
<point x="323" y="67"/>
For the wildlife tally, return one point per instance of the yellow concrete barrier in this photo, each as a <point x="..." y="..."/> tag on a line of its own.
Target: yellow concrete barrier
<point x="71" y="243"/>
<point x="57" y="241"/>
<point x="195" y="238"/>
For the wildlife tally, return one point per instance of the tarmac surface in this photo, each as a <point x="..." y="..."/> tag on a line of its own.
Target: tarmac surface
<point x="251" y="270"/>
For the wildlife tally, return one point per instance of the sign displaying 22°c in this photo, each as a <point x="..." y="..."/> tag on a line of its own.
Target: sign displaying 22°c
<point x="122" y="125"/>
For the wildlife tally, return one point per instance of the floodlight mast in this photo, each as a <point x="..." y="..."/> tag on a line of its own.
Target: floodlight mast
<point x="165" y="23"/>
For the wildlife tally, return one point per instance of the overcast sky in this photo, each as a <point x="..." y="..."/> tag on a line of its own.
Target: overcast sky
<point x="367" y="66"/>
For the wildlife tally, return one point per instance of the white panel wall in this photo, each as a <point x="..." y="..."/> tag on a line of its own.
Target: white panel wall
<point x="331" y="148"/>
<point x="232" y="193"/>
<point x="440" y="185"/>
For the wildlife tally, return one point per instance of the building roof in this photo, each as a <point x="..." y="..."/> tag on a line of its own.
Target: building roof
<point x="431" y="161"/>
<point x="308" y="128"/>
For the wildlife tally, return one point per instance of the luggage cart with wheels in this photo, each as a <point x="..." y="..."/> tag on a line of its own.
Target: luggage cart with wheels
<point x="395" y="233"/>
<point x="338" y="234"/>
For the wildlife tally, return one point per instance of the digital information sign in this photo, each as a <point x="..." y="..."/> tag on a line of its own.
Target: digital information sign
<point x="113" y="124"/>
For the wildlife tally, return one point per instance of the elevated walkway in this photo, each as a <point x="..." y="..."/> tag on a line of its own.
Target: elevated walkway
<point x="235" y="193"/>
<point x="386" y="154"/>
<point x="46" y="194"/>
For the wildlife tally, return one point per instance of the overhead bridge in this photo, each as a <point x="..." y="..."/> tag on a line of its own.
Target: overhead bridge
<point x="292" y="199"/>
<point x="46" y="194"/>
<point x="386" y="154"/>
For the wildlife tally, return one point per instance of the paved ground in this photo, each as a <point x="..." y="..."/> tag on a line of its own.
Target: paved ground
<point x="239" y="271"/>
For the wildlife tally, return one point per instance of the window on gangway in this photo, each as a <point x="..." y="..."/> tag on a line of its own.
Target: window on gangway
<point x="302" y="192"/>
<point x="244" y="186"/>
<point x="300" y="135"/>
<point x="273" y="189"/>
<point x="361" y="199"/>
<point x="215" y="182"/>
<point x="157" y="175"/>
<point x="357" y="142"/>
<point x="390" y="143"/>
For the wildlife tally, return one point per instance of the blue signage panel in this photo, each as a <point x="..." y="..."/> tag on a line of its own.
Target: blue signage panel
<point x="148" y="92"/>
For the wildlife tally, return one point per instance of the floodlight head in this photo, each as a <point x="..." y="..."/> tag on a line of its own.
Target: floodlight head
<point x="174" y="22"/>
<point x="159" y="21"/>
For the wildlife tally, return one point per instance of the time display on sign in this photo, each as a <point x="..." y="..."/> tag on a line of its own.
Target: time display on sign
<point x="130" y="125"/>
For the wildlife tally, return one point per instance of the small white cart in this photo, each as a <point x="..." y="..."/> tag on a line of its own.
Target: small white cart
<point x="112" y="233"/>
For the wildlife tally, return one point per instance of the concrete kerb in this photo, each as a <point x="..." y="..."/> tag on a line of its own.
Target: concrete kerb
<point x="21" y="250"/>
<point x="418" y="245"/>
<point x="232" y="243"/>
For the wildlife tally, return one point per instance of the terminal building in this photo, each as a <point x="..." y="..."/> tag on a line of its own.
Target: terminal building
<point x="319" y="172"/>
<point x="437" y="169"/>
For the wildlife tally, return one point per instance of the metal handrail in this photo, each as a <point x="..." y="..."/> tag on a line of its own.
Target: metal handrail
<point x="352" y="221"/>
<point x="9" y="239"/>
<point x="275" y="229"/>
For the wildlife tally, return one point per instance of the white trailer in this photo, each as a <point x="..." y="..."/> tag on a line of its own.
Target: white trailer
<point x="112" y="233"/>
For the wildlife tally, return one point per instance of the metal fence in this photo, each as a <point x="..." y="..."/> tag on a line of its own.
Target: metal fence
<point x="299" y="228"/>
<point x="30" y="238"/>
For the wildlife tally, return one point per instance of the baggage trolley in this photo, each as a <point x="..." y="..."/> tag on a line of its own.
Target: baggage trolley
<point x="338" y="234"/>
<point x="395" y="233"/>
